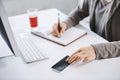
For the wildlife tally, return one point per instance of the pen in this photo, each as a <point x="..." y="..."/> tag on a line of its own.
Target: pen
<point x="59" y="28"/>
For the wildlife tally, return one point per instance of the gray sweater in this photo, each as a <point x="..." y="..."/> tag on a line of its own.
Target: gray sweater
<point x="111" y="29"/>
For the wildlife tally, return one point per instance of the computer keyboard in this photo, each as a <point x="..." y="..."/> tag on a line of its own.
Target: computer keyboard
<point x="29" y="51"/>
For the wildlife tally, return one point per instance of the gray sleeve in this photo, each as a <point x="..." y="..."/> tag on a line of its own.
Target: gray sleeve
<point x="107" y="50"/>
<point x="77" y="14"/>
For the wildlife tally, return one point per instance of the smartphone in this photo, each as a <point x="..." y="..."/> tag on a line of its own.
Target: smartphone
<point x="61" y="65"/>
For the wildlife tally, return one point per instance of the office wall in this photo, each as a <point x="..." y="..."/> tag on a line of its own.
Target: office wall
<point x="15" y="7"/>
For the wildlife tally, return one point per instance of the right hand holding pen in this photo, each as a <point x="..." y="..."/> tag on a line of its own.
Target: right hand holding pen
<point x="56" y="32"/>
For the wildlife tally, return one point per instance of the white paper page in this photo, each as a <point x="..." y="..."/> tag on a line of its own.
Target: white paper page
<point x="42" y="31"/>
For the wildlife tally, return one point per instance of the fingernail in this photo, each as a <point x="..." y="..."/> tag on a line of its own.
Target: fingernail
<point x="68" y="62"/>
<point x="66" y="59"/>
<point x="59" y="35"/>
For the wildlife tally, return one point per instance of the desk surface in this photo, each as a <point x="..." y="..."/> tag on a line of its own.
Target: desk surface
<point x="4" y="49"/>
<point x="14" y="68"/>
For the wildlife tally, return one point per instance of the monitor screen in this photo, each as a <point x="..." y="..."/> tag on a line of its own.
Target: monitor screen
<point x="6" y="31"/>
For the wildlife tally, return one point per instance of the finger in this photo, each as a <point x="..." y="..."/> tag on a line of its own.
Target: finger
<point x="72" y="59"/>
<point x="86" y="59"/>
<point x="79" y="51"/>
<point x="63" y="27"/>
<point x="55" y="29"/>
<point x="62" y="31"/>
<point x="78" y="59"/>
<point x="81" y="56"/>
<point x="54" y="34"/>
<point x="69" y="58"/>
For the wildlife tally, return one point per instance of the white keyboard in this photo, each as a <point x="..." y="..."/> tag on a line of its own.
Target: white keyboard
<point x="30" y="51"/>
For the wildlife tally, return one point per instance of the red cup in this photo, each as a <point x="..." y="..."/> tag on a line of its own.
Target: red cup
<point x="33" y="21"/>
<point x="33" y="17"/>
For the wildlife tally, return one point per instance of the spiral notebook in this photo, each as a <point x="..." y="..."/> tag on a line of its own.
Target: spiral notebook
<point x="69" y="36"/>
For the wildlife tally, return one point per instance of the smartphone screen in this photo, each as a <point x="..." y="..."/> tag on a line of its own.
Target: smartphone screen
<point x="61" y="65"/>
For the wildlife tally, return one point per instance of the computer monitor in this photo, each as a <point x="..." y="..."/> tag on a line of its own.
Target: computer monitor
<point x="6" y="31"/>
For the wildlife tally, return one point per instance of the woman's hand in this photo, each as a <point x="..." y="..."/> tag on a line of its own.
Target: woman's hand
<point x="86" y="54"/>
<point x="55" y="31"/>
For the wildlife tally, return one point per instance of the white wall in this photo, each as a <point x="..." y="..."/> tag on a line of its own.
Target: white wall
<point x="15" y="7"/>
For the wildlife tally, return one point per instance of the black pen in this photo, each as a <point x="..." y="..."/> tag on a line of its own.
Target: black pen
<point x="59" y="28"/>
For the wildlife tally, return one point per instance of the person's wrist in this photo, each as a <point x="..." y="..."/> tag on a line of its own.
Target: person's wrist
<point x="93" y="52"/>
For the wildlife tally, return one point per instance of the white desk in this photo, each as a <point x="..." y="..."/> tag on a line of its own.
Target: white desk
<point x="4" y="49"/>
<point x="13" y="68"/>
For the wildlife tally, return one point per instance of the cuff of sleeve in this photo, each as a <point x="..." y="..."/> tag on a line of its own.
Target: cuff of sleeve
<point x="97" y="51"/>
<point x="69" y="22"/>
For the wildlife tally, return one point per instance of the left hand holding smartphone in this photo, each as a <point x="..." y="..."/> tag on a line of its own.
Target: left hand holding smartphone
<point x="86" y="54"/>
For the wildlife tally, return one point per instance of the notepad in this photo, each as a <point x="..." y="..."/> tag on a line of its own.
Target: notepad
<point x="69" y="36"/>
